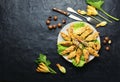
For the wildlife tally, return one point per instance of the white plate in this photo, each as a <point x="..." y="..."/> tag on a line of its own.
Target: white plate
<point x="64" y="29"/>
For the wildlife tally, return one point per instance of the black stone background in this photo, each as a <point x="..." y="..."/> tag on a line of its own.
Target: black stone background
<point x="24" y="34"/>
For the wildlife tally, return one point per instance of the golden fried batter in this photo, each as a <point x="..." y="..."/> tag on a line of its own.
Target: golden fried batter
<point x="65" y="36"/>
<point x="94" y="45"/>
<point x="71" y="55"/>
<point x="86" y="33"/>
<point x="78" y="55"/>
<point x="68" y="50"/>
<point x="93" y="36"/>
<point x="66" y="43"/>
<point x="92" y="52"/>
<point x="80" y="30"/>
<point x="70" y="32"/>
<point x="86" y="55"/>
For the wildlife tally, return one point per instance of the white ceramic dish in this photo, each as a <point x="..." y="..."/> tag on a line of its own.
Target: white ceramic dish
<point x="64" y="29"/>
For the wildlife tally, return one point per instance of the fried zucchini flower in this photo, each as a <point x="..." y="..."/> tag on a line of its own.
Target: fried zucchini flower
<point x="82" y="12"/>
<point x="91" y="11"/>
<point x="61" y="68"/>
<point x="103" y="23"/>
<point x="42" y="68"/>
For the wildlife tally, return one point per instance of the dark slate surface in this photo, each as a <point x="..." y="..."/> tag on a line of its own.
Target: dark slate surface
<point x="23" y="35"/>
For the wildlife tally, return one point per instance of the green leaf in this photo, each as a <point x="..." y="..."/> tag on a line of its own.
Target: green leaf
<point x="96" y="3"/>
<point x="42" y="58"/>
<point x="78" y="25"/>
<point x="51" y="70"/>
<point x="61" y="48"/>
<point x="80" y="64"/>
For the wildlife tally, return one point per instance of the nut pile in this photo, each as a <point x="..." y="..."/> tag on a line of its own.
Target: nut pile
<point x="107" y="42"/>
<point x="54" y="26"/>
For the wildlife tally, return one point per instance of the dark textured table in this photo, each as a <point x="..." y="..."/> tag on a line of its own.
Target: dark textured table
<point x="24" y="34"/>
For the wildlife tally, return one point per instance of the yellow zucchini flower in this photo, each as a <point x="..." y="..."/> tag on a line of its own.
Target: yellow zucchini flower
<point x="42" y="68"/>
<point x="91" y="11"/>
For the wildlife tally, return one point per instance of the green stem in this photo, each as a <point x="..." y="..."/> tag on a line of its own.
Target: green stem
<point x="51" y="70"/>
<point x="96" y="19"/>
<point x="105" y="18"/>
<point x="109" y="15"/>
